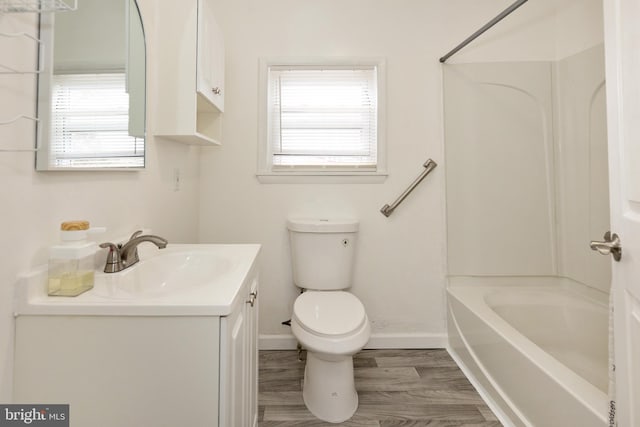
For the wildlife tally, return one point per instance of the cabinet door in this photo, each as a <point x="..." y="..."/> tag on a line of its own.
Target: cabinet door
<point x="252" y="355"/>
<point x="210" y="59"/>
<point x="233" y="396"/>
<point x="239" y="361"/>
<point x="152" y="370"/>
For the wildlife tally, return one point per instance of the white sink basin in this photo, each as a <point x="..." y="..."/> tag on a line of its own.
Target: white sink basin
<point x="182" y="280"/>
<point x="169" y="271"/>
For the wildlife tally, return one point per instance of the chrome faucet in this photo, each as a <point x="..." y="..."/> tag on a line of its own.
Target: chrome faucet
<point x="123" y="256"/>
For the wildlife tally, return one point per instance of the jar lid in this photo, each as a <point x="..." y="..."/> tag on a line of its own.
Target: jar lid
<point x="74" y="225"/>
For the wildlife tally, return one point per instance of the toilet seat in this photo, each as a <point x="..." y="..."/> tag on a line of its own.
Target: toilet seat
<point x="331" y="314"/>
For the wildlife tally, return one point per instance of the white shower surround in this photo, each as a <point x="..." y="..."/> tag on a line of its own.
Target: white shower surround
<point x="532" y="217"/>
<point x="526" y="166"/>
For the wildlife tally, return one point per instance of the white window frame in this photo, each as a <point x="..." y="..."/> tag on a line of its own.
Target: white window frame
<point x="268" y="174"/>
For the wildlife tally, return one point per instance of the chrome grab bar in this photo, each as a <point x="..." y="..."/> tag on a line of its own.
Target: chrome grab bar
<point x="429" y="165"/>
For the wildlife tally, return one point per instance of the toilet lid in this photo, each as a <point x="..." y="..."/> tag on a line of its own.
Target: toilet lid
<point x="329" y="313"/>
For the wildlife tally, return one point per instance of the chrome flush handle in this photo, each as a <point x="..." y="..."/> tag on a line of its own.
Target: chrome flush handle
<point x="610" y="246"/>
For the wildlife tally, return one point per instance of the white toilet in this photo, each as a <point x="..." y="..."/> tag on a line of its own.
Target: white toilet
<point x="329" y="323"/>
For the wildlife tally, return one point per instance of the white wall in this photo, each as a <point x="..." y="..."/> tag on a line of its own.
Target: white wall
<point x="541" y="30"/>
<point x="579" y="26"/>
<point x="400" y="260"/>
<point x="34" y="203"/>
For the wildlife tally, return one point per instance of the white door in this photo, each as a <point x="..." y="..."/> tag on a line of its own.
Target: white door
<point x="622" y="50"/>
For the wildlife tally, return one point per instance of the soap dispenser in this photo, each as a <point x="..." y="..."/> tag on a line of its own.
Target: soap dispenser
<point x="72" y="262"/>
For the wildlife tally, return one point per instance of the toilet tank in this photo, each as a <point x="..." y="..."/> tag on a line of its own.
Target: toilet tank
<point x="322" y="252"/>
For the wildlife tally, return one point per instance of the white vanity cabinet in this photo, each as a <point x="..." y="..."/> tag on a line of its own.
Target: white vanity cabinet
<point x="189" y="68"/>
<point x="145" y="364"/>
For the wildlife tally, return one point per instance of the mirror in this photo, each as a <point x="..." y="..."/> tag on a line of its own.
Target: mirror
<point x="91" y="90"/>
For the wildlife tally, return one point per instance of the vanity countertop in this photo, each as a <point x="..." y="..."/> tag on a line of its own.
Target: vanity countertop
<point x="181" y="280"/>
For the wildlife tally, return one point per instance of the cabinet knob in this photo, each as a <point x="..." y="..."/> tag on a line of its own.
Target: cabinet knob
<point x="252" y="298"/>
<point x="216" y="91"/>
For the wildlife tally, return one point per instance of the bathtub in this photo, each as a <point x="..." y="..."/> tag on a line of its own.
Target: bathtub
<point x="537" y="350"/>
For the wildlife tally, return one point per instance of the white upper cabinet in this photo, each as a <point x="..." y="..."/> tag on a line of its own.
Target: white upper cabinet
<point x="210" y="59"/>
<point x="189" y="73"/>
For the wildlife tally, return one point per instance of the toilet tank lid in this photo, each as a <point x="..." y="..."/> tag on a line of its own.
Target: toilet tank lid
<point x="321" y="225"/>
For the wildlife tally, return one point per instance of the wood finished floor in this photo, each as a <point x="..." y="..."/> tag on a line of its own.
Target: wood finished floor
<point x="396" y="388"/>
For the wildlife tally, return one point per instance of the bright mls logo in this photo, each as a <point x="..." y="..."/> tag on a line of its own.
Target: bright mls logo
<point x="34" y="415"/>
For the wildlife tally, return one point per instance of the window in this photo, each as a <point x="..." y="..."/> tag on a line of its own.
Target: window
<point x="322" y="119"/>
<point x="90" y="122"/>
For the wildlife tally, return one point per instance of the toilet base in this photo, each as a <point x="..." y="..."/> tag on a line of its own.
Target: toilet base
<point x="329" y="389"/>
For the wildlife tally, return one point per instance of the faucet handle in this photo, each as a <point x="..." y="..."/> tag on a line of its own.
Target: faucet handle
<point x="114" y="262"/>
<point x="111" y="246"/>
<point x="135" y="234"/>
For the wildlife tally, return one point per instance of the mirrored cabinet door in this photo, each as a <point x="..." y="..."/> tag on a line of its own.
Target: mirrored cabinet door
<point x="92" y="91"/>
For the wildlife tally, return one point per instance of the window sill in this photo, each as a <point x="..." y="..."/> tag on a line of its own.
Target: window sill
<point x="324" y="177"/>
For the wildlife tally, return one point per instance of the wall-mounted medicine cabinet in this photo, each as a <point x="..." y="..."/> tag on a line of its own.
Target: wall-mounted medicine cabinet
<point x="190" y="73"/>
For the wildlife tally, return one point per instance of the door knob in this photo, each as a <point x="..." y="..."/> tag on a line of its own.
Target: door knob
<point x="610" y="246"/>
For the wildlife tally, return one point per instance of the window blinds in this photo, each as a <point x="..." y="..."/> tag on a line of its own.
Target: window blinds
<point x="89" y="122"/>
<point x="323" y="117"/>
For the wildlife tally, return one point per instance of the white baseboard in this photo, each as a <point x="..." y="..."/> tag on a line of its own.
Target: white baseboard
<point x="377" y="341"/>
<point x="277" y="342"/>
<point x="412" y="340"/>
